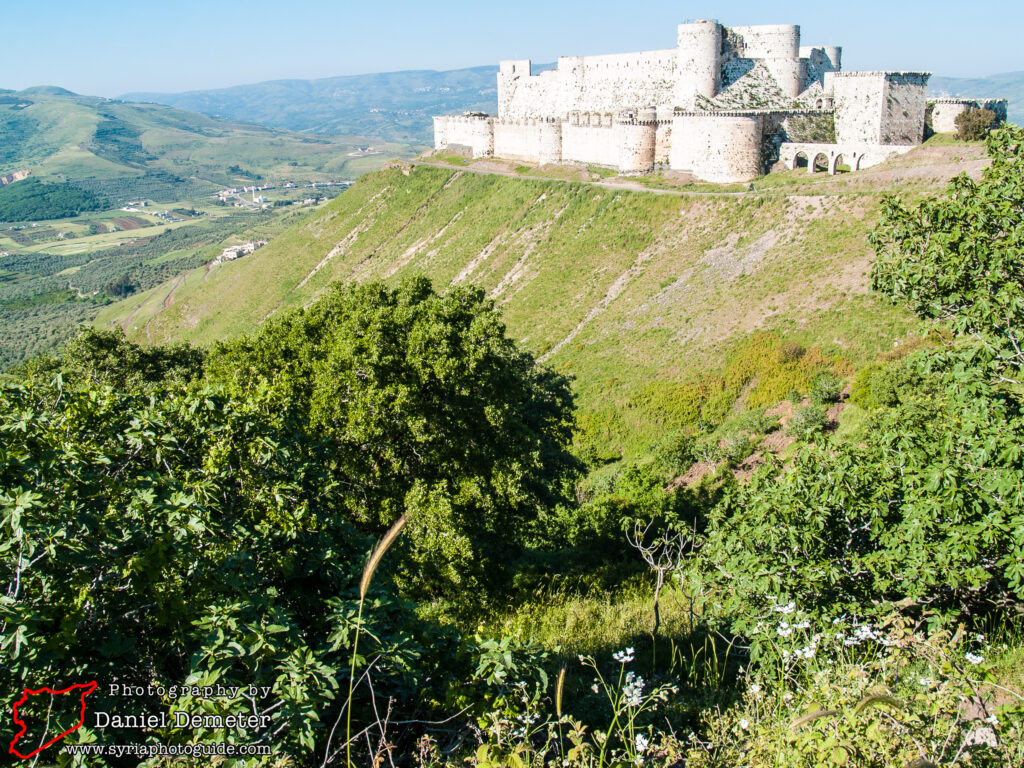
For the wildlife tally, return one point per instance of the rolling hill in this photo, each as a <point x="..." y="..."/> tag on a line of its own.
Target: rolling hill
<point x="123" y="151"/>
<point x="629" y="291"/>
<point x="397" y="106"/>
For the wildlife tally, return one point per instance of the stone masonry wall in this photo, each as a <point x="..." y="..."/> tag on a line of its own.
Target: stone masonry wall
<point x="595" y="145"/>
<point x="721" y="147"/>
<point x="470" y="132"/>
<point x="946" y="111"/>
<point x="615" y="83"/>
<point x="904" y="110"/>
<point x="859" y="101"/>
<point x="530" y="141"/>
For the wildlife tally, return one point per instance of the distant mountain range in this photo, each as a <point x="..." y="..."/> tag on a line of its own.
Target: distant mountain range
<point x="1009" y="85"/>
<point x="398" y="106"/>
<point x="394" y="106"/>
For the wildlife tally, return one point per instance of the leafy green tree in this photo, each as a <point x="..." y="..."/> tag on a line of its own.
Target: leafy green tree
<point x="960" y="258"/>
<point x="165" y="520"/>
<point x="974" y="124"/>
<point x="926" y="513"/>
<point x="431" y="411"/>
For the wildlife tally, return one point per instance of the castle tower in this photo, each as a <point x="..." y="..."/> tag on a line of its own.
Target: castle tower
<point x="700" y="62"/>
<point x="636" y="140"/>
<point x="778" y="45"/>
<point x="886" y="108"/>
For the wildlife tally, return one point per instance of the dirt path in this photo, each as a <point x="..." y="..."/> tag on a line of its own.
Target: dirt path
<point x="625" y="186"/>
<point x="170" y="294"/>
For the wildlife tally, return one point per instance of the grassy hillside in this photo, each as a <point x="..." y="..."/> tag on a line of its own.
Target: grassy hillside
<point x="630" y="292"/>
<point x="396" y="106"/>
<point x="126" y="151"/>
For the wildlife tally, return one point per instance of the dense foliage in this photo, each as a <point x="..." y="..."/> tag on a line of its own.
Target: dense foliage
<point x="974" y="124"/>
<point x="432" y="411"/>
<point x="35" y="200"/>
<point x="960" y="258"/>
<point x="165" y="523"/>
<point x="925" y="510"/>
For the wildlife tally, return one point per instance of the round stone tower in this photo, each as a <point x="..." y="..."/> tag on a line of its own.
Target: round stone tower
<point x="636" y="140"/>
<point x="550" y="141"/>
<point x="700" y="61"/>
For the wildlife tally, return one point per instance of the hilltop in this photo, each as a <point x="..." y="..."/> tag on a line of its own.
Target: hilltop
<point x="629" y="291"/>
<point x="124" y="151"/>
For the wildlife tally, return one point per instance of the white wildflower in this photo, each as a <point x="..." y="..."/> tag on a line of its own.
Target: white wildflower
<point x="974" y="658"/>
<point x="744" y="724"/>
<point x="624" y="657"/>
<point x="785" y="610"/>
<point x="594" y="688"/>
<point x="633" y="692"/>
<point x="755" y="689"/>
<point x="641" y="743"/>
<point x="784" y="630"/>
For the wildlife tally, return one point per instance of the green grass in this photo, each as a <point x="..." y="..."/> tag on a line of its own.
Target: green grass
<point x="639" y="297"/>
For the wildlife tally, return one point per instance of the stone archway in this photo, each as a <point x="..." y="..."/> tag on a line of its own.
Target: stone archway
<point x="839" y="165"/>
<point x="821" y="163"/>
<point x="800" y="160"/>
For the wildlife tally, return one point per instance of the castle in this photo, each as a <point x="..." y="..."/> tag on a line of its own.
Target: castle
<point x="725" y="104"/>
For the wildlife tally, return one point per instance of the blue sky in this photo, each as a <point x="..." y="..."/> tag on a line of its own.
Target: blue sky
<point x="110" y="47"/>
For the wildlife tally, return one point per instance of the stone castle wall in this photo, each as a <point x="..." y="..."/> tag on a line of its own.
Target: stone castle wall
<point x="469" y="133"/>
<point x="613" y="84"/>
<point x="718" y="105"/>
<point x="946" y="111"/>
<point x="859" y="102"/>
<point x="906" y="102"/>
<point x="529" y="141"/>
<point x="717" y="147"/>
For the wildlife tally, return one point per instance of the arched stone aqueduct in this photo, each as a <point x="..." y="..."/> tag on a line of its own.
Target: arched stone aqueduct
<point x="829" y="157"/>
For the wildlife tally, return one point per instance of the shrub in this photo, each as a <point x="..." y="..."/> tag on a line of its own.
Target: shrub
<point x="974" y="124"/>
<point x="926" y="512"/>
<point x="826" y="389"/>
<point x="807" y="422"/>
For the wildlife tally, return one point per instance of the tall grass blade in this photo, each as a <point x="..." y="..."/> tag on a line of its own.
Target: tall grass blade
<point x="378" y="554"/>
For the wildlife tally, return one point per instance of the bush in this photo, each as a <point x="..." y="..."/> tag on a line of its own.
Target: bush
<point x="807" y="422"/>
<point x="826" y="389"/>
<point x="974" y="124"/>
<point x="925" y="512"/>
<point x="433" y="412"/>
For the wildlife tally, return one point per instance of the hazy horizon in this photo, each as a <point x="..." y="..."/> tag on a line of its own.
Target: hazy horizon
<point x="108" y="48"/>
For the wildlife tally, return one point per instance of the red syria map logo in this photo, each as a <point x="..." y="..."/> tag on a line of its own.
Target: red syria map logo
<point x="26" y="751"/>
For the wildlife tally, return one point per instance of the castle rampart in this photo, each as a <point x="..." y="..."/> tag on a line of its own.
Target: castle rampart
<point x="719" y="105"/>
<point x="945" y="111"/>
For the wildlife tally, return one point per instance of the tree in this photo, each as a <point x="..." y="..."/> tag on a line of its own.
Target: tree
<point x="431" y="411"/>
<point x="974" y="124"/>
<point x="959" y="259"/>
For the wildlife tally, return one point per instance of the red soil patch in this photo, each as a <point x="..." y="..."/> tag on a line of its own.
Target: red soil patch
<point x="131" y="222"/>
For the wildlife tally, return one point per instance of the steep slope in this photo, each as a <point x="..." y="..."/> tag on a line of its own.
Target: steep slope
<point x="144" y="150"/>
<point x="631" y="292"/>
